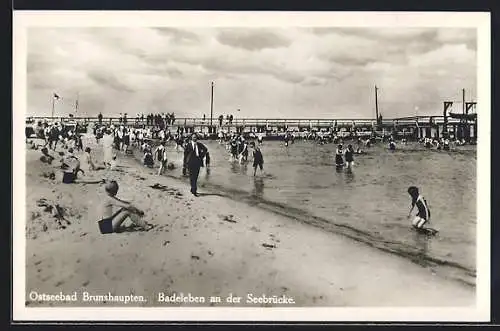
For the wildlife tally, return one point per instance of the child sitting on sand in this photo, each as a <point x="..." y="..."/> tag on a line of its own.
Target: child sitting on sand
<point x="70" y="167"/>
<point x="46" y="157"/>
<point x="112" y="218"/>
<point x="424" y="215"/>
<point x="89" y="162"/>
<point x="148" y="160"/>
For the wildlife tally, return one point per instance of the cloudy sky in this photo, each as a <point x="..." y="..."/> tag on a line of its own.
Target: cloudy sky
<point x="300" y="72"/>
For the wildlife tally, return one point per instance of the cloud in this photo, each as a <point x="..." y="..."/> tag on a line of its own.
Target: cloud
<point x="108" y="79"/>
<point x="298" y="72"/>
<point x="252" y="39"/>
<point x="178" y="35"/>
<point x="467" y="37"/>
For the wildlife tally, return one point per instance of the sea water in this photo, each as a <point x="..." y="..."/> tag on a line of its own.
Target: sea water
<point x="368" y="203"/>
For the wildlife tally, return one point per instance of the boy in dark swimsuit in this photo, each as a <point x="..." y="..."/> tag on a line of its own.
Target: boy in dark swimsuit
<point x="339" y="159"/>
<point x="349" y="158"/>
<point x="258" y="159"/>
<point x="112" y="218"/>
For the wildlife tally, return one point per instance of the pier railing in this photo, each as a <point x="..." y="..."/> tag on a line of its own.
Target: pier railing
<point x="261" y="122"/>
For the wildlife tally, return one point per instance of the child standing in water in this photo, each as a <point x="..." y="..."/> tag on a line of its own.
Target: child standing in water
<point x="259" y="138"/>
<point x="112" y="218"/>
<point x="424" y="215"/>
<point x="349" y="158"/>
<point x="258" y="159"/>
<point x="392" y="144"/>
<point x="339" y="159"/>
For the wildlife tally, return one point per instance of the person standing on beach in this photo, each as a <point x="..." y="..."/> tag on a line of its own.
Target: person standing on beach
<point x="220" y="136"/>
<point x="194" y="154"/>
<point x="126" y="140"/>
<point x="161" y="156"/>
<point x="88" y="163"/>
<point x="107" y="144"/>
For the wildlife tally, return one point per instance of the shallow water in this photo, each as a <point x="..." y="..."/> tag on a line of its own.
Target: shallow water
<point x="369" y="203"/>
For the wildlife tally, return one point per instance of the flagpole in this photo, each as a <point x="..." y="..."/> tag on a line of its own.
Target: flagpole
<point x="53" y="104"/>
<point x="211" y="105"/>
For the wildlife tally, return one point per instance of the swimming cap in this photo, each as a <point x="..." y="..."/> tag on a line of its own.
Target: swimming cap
<point x="412" y="190"/>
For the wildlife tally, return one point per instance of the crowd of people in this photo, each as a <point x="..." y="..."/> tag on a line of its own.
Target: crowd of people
<point x="58" y="133"/>
<point x="229" y="119"/>
<point x="161" y="120"/>
<point x="152" y="139"/>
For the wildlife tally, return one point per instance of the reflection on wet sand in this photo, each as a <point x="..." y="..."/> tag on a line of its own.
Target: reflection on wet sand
<point x="258" y="188"/>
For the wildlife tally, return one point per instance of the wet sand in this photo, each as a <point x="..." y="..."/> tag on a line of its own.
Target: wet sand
<point x="206" y="246"/>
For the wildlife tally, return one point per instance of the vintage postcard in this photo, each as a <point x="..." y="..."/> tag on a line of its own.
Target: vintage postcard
<point x="253" y="166"/>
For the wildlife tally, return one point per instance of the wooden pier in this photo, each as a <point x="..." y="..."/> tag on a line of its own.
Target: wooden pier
<point x="415" y="126"/>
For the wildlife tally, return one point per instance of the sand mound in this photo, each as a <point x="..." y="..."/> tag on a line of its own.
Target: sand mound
<point x="48" y="216"/>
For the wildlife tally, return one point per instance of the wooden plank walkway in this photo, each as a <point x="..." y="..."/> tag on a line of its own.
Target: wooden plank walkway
<point x="423" y="121"/>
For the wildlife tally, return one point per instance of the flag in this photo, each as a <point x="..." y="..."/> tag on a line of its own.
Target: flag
<point x="56" y="97"/>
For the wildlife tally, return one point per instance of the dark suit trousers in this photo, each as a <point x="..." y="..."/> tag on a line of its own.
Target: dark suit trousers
<point x="194" y="171"/>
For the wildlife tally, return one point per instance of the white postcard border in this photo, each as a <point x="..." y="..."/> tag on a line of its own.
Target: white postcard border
<point x="24" y="19"/>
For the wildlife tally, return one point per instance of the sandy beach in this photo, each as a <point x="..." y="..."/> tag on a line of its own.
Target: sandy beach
<point x="206" y="246"/>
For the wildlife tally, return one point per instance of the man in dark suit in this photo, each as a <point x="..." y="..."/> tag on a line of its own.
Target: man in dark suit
<point x="193" y="160"/>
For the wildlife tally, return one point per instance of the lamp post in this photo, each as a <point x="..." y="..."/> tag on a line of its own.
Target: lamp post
<point x="211" y="106"/>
